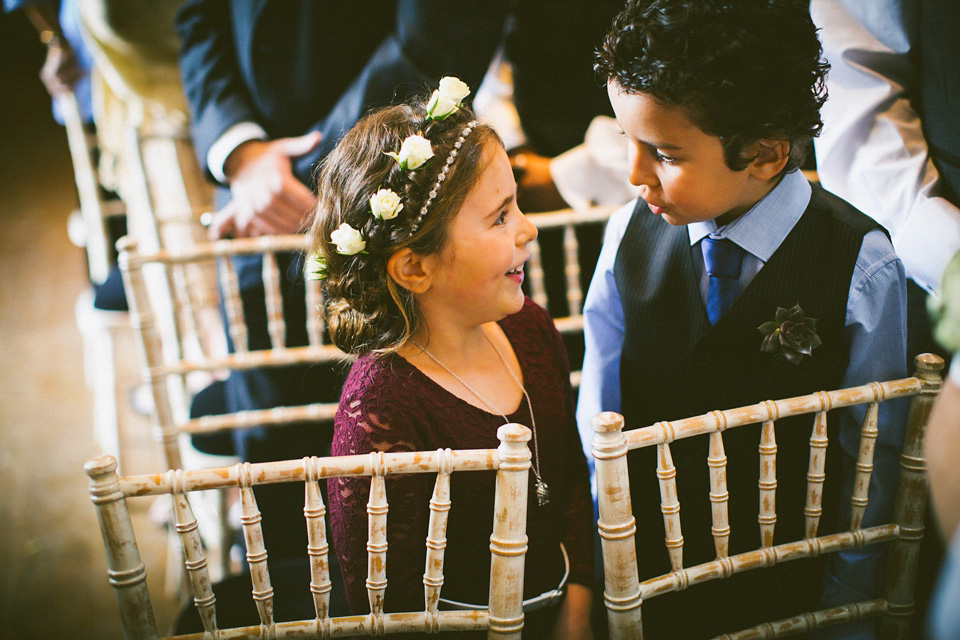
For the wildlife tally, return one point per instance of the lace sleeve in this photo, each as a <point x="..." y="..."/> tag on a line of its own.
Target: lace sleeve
<point x="366" y="424"/>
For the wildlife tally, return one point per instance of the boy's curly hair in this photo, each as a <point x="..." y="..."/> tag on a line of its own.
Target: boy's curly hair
<point x="745" y="69"/>
<point x="365" y="310"/>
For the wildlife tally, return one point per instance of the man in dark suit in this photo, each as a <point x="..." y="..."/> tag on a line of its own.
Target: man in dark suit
<point x="272" y="85"/>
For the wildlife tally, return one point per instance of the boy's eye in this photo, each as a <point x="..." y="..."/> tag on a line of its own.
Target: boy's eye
<point x="665" y="159"/>
<point x="501" y="218"/>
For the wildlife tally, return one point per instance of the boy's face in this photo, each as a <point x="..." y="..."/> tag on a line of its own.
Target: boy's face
<point x="680" y="170"/>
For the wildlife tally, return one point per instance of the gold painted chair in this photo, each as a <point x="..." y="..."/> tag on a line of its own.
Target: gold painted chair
<point x="624" y="591"/>
<point x="503" y="618"/>
<point x="578" y="262"/>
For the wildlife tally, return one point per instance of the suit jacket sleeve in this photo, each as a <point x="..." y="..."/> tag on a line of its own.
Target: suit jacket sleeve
<point x="431" y="38"/>
<point x="212" y="80"/>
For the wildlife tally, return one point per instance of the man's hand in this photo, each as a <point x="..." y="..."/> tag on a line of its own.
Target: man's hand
<point x="536" y="190"/>
<point x="267" y="198"/>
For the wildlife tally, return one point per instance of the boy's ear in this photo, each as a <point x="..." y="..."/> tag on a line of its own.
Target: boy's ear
<point x="772" y="156"/>
<point x="411" y="270"/>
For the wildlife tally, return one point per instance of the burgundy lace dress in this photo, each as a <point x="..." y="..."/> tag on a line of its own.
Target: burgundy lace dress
<point x="388" y="405"/>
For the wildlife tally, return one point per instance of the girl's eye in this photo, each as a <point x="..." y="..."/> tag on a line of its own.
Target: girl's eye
<point x="501" y="218"/>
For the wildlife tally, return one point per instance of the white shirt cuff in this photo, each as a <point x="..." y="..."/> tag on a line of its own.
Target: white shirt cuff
<point x="927" y="239"/>
<point x="226" y="143"/>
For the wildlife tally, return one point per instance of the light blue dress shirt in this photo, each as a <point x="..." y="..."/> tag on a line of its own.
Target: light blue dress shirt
<point x="875" y="329"/>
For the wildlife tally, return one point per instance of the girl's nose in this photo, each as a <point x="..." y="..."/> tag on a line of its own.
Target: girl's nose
<point x="527" y="231"/>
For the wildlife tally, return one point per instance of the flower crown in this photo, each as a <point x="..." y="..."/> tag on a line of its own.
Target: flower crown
<point x="414" y="153"/>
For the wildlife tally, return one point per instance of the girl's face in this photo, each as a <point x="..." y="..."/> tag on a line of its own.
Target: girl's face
<point x="480" y="267"/>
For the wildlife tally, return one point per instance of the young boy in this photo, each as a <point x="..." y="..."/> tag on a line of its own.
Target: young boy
<point x="719" y="100"/>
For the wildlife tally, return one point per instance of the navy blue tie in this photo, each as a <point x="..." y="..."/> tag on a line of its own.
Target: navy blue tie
<point x="721" y="259"/>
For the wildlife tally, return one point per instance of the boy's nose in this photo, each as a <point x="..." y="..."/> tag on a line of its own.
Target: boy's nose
<point x="641" y="169"/>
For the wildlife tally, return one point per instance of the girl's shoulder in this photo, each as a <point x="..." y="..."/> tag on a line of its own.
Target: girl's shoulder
<point x="373" y="375"/>
<point x="376" y="406"/>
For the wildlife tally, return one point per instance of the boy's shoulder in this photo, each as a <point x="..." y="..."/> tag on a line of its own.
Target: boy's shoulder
<point x="842" y="211"/>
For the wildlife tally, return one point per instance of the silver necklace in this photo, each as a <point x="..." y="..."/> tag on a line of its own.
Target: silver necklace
<point x="543" y="491"/>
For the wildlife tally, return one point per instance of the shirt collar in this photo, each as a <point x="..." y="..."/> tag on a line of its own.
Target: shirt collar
<point x="763" y="228"/>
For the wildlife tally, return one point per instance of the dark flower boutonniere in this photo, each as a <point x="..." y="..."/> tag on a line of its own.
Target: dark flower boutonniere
<point x="790" y="335"/>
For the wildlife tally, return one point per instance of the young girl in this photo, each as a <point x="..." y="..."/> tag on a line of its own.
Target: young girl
<point x="422" y="246"/>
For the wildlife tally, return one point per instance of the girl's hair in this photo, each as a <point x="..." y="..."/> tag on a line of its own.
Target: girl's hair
<point x="365" y="309"/>
<point x="744" y="69"/>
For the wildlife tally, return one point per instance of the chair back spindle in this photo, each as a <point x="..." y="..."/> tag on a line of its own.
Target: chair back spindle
<point x="624" y="590"/>
<point x="503" y="618"/>
<point x="767" y="484"/>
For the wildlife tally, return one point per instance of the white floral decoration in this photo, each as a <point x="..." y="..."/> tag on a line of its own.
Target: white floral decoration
<point x="447" y="98"/>
<point x="348" y="240"/>
<point x="414" y="151"/>
<point x="385" y="204"/>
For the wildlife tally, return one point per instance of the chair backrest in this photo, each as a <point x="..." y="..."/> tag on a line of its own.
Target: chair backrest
<point x="624" y="591"/>
<point x="560" y="268"/>
<point x="168" y="362"/>
<point x="503" y="618"/>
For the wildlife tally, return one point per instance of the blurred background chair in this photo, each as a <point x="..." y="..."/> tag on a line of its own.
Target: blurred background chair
<point x="142" y="152"/>
<point x="624" y="591"/>
<point x="297" y="603"/>
<point x="178" y="369"/>
<point x="560" y="287"/>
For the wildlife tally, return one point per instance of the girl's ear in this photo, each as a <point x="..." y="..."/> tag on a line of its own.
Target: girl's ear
<point x="411" y="270"/>
<point x="772" y="156"/>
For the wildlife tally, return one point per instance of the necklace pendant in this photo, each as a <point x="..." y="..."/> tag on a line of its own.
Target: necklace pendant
<point x="543" y="492"/>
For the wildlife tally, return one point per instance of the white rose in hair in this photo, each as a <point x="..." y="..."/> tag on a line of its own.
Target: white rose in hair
<point x="348" y="240"/>
<point x="440" y="106"/>
<point x="414" y="151"/>
<point x="447" y="98"/>
<point x="454" y="88"/>
<point x="385" y="204"/>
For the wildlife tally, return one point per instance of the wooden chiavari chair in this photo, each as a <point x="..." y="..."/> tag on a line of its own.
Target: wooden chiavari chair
<point x="170" y="360"/>
<point x="578" y="264"/>
<point x="625" y="592"/>
<point x="503" y="618"/>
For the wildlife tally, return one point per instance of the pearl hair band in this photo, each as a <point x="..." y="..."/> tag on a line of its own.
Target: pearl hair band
<point x="443" y="174"/>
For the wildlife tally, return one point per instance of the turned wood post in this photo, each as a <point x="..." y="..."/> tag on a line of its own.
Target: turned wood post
<point x="318" y="548"/>
<point x="617" y="528"/>
<point x="128" y="577"/>
<point x="508" y="541"/>
<point x="911" y="504"/>
<point x="437" y="531"/>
